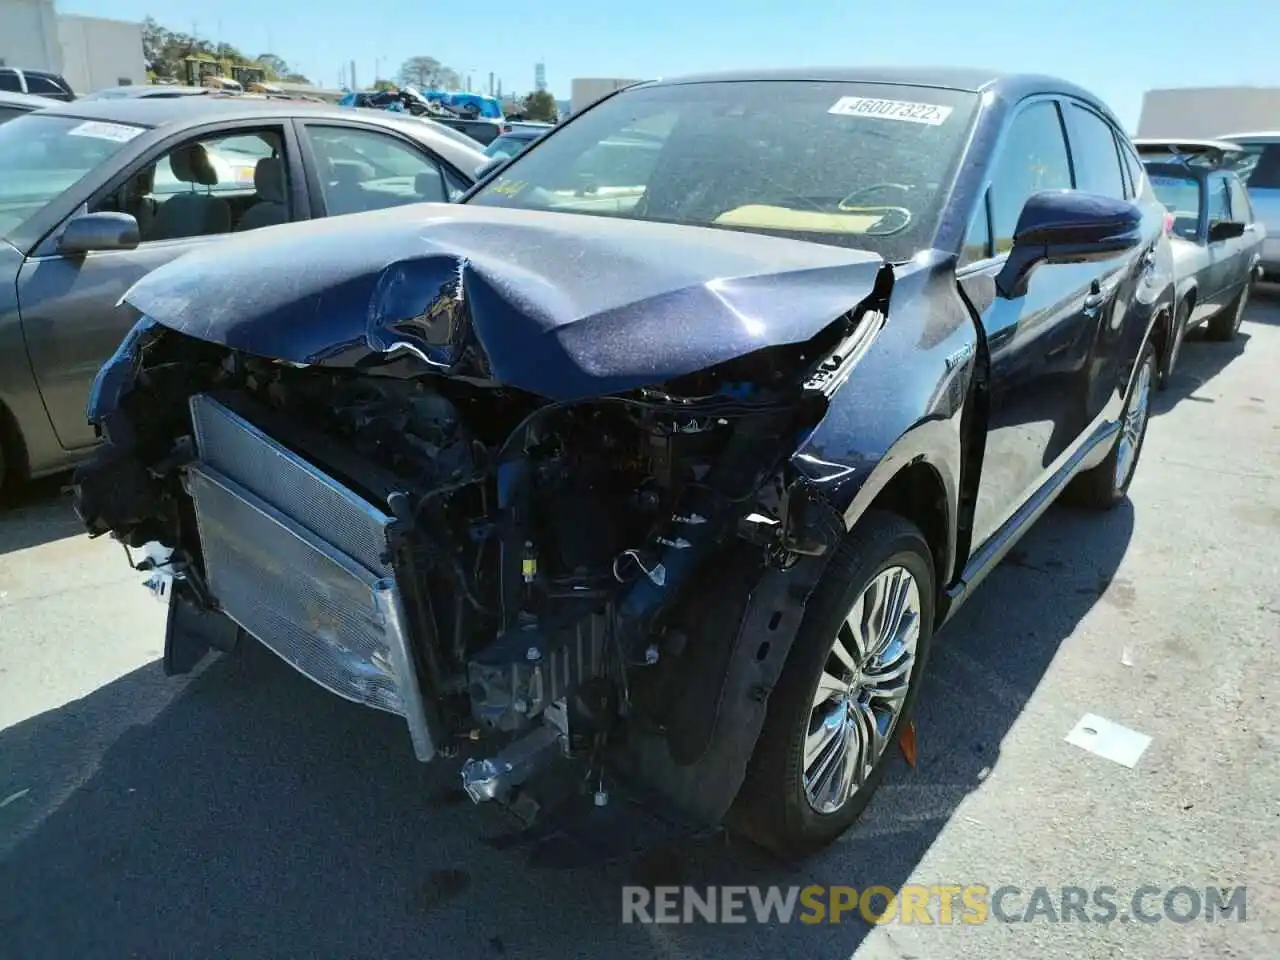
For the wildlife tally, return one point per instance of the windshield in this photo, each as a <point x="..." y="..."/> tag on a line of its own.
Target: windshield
<point x="41" y="156"/>
<point x="1181" y="197"/>
<point x="853" y="164"/>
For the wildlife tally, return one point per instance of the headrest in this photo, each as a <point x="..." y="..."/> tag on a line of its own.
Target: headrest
<point x="268" y="179"/>
<point x="191" y="164"/>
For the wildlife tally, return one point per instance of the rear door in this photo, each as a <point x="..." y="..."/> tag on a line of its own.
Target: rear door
<point x="1038" y="343"/>
<point x="1251" y="241"/>
<point x="69" y="305"/>
<point x="1224" y="255"/>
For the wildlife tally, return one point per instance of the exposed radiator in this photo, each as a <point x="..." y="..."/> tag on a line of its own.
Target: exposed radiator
<point x="300" y="562"/>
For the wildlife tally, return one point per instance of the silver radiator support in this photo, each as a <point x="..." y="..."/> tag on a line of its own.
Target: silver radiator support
<point x="301" y="562"/>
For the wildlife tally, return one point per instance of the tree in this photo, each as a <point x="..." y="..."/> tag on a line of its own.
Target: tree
<point x="426" y="73"/>
<point x="275" y="66"/>
<point x="540" y="106"/>
<point x="165" y="50"/>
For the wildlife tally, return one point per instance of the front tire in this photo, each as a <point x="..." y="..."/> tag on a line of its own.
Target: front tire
<point x="848" y="687"/>
<point x="1108" y="483"/>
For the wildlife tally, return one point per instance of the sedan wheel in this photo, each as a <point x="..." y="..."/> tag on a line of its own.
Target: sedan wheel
<point x="1227" y="324"/>
<point x="847" y="690"/>
<point x="862" y="689"/>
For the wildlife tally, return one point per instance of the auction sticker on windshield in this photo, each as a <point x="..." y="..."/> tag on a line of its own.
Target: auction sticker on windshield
<point x="933" y="114"/>
<point x="98" y="130"/>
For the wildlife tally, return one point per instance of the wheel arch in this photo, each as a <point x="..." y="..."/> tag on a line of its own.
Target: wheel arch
<point x="15" y="464"/>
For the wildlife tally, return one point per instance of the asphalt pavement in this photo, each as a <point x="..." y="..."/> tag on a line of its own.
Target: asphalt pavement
<point x="245" y="813"/>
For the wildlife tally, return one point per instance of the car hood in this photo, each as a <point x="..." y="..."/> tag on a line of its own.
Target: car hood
<point x="566" y="306"/>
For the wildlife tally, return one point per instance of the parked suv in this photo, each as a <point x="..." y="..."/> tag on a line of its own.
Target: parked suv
<point x="42" y="83"/>
<point x="1259" y="168"/>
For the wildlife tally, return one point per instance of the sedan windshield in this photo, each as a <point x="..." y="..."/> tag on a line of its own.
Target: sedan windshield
<point x="852" y="164"/>
<point x="42" y="155"/>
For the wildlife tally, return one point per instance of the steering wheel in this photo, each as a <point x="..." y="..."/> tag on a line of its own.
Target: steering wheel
<point x="851" y="199"/>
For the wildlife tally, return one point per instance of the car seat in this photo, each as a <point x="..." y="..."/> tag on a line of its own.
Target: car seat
<point x="192" y="214"/>
<point x="271" y="208"/>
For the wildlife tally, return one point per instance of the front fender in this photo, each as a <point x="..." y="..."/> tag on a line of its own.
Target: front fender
<point x="900" y="405"/>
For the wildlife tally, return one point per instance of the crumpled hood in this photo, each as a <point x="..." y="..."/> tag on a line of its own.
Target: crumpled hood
<point x="565" y="306"/>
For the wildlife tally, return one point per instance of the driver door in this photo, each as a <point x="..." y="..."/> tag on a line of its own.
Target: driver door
<point x="1038" y="344"/>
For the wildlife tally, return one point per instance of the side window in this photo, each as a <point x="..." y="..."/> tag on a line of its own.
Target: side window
<point x="367" y="170"/>
<point x="1093" y="145"/>
<point x="977" y="239"/>
<point x="1219" y="200"/>
<point x="1137" y="172"/>
<point x="1033" y="158"/>
<point x="1241" y="209"/>
<point x="218" y="184"/>
<point x="9" y="81"/>
<point x="455" y="184"/>
<point x="42" y="86"/>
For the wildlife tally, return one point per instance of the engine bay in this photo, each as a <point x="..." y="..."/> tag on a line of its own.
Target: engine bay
<point x="556" y="560"/>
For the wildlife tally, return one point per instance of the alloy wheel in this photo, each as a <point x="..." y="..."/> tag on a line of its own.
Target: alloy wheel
<point x="862" y="689"/>
<point x="1135" y="420"/>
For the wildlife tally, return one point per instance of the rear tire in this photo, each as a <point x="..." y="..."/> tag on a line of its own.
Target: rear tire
<point x="1108" y="483"/>
<point x="1226" y="324"/>
<point x="795" y="807"/>
<point x="1179" y="334"/>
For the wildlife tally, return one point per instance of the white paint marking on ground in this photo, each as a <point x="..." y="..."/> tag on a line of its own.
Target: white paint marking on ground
<point x="1109" y="740"/>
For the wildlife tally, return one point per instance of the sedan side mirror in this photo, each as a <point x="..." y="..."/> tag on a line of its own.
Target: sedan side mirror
<point x="490" y="165"/>
<point x="1225" y="230"/>
<point x="1067" y="226"/>
<point x="98" y="231"/>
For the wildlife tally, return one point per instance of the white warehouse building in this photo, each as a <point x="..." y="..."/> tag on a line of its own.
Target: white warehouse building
<point x="1208" y="112"/>
<point x="90" y="52"/>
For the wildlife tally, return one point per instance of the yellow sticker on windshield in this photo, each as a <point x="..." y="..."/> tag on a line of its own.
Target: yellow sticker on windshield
<point x="509" y="187"/>
<point x="933" y="114"/>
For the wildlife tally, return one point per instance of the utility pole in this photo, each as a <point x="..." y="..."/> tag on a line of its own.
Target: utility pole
<point x="353" y="76"/>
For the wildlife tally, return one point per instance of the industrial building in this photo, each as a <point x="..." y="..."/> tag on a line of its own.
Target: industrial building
<point x="90" y="52"/>
<point x="1209" y="111"/>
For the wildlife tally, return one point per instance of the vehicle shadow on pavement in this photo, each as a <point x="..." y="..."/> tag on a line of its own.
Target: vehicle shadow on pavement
<point x="38" y="513"/>
<point x="1200" y="360"/>
<point x="248" y="813"/>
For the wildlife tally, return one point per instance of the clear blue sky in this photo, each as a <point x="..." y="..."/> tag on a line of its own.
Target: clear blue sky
<point x="1117" y="49"/>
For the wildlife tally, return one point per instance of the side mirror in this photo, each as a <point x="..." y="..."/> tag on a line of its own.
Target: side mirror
<point x="1067" y="226"/>
<point x="490" y="165"/>
<point x="98" y="231"/>
<point x="1225" y="230"/>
